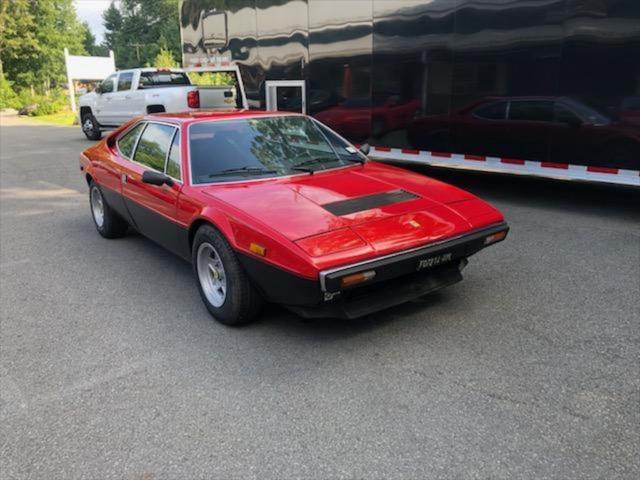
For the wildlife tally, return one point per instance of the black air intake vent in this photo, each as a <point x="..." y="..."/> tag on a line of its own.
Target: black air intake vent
<point x="367" y="202"/>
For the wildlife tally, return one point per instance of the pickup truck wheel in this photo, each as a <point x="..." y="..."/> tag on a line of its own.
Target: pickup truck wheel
<point x="108" y="223"/>
<point x="90" y="127"/>
<point x="223" y="285"/>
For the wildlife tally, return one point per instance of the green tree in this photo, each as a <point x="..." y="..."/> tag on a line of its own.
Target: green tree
<point x="17" y="36"/>
<point x="32" y="41"/>
<point x="112" y="20"/>
<point x="165" y="59"/>
<point x="90" y="45"/>
<point x="137" y="30"/>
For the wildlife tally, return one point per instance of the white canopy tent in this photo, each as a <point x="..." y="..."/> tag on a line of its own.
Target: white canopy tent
<point x="86" y="68"/>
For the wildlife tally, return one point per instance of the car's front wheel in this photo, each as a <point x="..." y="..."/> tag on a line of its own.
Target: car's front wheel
<point x="223" y="285"/>
<point x="108" y="223"/>
<point x="90" y="127"/>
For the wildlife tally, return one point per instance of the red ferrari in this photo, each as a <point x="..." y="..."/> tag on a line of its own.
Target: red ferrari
<point x="278" y="207"/>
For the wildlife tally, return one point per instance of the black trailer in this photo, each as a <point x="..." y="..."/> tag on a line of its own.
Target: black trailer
<point x="533" y="87"/>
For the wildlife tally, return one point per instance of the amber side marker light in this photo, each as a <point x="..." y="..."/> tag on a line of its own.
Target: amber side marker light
<point x="258" y="249"/>
<point x="357" y="278"/>
<point x="495" y="237"/>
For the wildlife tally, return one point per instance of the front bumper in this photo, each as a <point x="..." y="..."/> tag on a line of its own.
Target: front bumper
<point x="398" y="278"/>
<point x="369" y="299"/>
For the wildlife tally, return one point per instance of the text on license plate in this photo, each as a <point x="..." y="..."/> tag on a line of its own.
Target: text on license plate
<point x="434" y="261"/>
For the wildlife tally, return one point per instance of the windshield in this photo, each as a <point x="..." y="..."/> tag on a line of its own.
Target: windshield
<point x="222" y="151"/>
<point x="588" y="113"/>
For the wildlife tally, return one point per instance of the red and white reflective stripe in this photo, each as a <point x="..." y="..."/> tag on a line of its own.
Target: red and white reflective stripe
<point x="563" y="171"/>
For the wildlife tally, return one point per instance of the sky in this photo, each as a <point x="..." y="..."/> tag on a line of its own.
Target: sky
<point x="90" y="11"/>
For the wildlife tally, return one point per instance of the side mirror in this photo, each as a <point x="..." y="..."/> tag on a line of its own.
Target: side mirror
<point x="365" y="148"/>
<point x="156" y="178"/>
<point x="98" y="89"/>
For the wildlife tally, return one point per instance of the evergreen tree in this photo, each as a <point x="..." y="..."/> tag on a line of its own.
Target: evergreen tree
<point x="137" y="30"/>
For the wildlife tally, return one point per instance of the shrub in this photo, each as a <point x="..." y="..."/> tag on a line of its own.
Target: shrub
<point x="216" y="79"/>
<point x="38" y="104"/>
<point x="8" y="98"/>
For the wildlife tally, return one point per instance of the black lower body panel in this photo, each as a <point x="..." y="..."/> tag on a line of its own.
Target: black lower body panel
<point x="279" y="286"/>
<point x="398" y="278"/>
<point x="367" y="300"/>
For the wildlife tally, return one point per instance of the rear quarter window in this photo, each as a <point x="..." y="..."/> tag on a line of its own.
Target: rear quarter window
<point x="127" y="142"/>
<point x="154" y="145"/>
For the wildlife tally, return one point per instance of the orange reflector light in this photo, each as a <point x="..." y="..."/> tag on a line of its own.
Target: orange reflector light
<point x="495" y="237"/>
<point x="258" y="249"/>
<point x="356" y="278"/>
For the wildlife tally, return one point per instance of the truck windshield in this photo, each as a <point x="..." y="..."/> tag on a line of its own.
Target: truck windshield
<point x="163" y="79"/>
<point x="222" y="151"/>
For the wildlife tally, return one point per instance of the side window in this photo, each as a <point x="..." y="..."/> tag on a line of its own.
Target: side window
<point x="108" y="83"/>
<point x="531" y="110"/>
<point x="154" y="145"/>
<point x="173" y="163"/>
<point x="124" y="81"/>
<point x="127" y="142"/>
<point x="493" y="111"/>
<point x="562" y="115"/>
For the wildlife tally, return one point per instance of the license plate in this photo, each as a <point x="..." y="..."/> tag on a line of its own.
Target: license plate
<point x="434" y="261"/>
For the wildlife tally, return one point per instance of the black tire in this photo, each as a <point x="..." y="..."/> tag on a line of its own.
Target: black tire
<point x="242" y="302"/>
<point x="90" y="127"/>
<point x="112" y="225"/>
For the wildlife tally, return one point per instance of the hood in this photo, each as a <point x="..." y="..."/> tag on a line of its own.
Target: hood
<point x="377" y="205"/>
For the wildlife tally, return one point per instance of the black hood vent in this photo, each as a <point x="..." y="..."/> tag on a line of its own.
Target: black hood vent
<point x="367" y="202"/>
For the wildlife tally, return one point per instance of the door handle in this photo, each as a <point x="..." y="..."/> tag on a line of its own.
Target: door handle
<point x="123" y="178"/>
<point x="127" y="97"/>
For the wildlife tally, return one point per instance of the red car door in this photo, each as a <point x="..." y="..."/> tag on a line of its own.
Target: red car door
<point x="528" y="135"/>
<point x="153" y="207"/>
<point x="109" y="170"/>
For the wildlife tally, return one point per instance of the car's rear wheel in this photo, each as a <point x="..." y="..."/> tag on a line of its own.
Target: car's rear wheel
<point x="108" y="223"/>
<point x="223" y="285"/>
<point x="90" y="127"/>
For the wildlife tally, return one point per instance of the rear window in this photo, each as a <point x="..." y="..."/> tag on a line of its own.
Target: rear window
<point x="163" y="79"/>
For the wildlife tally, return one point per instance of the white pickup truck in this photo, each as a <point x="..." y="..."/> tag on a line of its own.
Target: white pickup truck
<point x="129" y="93"/>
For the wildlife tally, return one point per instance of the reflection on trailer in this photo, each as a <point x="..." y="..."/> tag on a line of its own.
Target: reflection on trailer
<point x="543" y="87"/>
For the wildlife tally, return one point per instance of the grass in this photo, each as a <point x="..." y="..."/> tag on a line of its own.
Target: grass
<point x="62" y="118"/>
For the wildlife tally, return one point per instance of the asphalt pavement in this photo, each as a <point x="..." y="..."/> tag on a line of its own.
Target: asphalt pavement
<point x="110" y="366"/>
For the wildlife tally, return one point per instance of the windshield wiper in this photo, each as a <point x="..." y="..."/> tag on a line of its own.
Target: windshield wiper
<point x="248" y="169"/>
<point x="303" y="169"/>
<point x="300" y="166"/>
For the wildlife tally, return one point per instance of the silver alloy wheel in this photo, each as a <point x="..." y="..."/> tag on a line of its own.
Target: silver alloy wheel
<point x="211" y="274"/>
<point x="97" y="206"/>
<point x="87" y="126"/>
